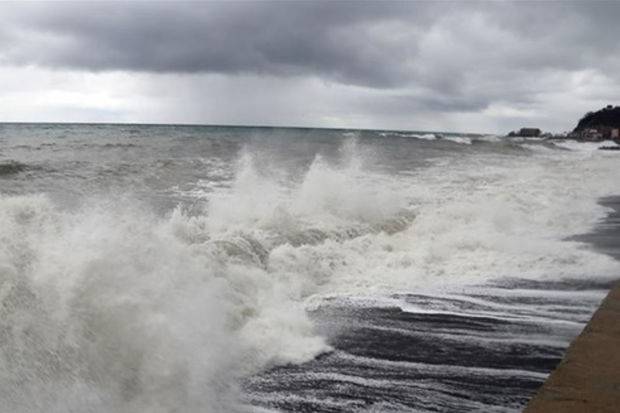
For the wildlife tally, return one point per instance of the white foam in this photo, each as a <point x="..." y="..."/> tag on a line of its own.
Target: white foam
<point x="489" y="138"/>
<point x="426" y="136"/>
<point x="583" y="146"/>
<point x="480" y="217"/>
<point x="458" y="139"/>
<point x="142" y="312"/>
<point x="423" y="136"/>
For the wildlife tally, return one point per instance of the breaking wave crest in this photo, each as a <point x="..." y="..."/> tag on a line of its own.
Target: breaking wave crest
<point x="110" y="307"/>
<point x="465" y="140"/>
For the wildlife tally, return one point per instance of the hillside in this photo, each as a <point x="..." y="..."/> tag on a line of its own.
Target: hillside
<point x="608" y="116"/>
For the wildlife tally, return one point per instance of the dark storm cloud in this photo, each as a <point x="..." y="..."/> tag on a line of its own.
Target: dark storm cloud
<point x="370" y="44"/>
<point x="442" y="56"/>
<point x="334" y="40"/>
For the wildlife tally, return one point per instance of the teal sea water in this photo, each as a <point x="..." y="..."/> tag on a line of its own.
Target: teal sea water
<point x="220" y="269"/>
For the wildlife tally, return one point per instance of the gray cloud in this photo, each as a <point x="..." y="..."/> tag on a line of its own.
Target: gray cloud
<point x="438" y="57"/>
<point x="371" y="44"/>
<point x="334" y="40"/>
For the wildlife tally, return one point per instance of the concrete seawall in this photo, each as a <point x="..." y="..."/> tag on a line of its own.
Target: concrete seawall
<point x="588" y="378"/>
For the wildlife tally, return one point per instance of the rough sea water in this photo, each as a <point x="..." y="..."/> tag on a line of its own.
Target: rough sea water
<point x="219" y="269"/>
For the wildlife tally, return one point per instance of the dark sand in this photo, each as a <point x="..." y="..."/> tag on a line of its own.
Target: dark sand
<point x="588" y="378"/>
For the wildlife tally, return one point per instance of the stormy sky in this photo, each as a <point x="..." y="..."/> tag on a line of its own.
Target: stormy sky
<point x="446" y="66"/>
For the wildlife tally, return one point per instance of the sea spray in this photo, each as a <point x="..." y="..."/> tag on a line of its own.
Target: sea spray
<point x="110" y="308"/>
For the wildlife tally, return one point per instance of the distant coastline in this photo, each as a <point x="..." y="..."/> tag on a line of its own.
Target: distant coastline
<point x="598" y="126"/>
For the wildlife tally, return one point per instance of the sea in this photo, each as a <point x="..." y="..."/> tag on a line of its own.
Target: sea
<point x="166" y="268"/>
